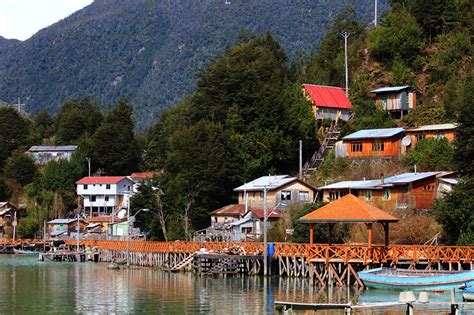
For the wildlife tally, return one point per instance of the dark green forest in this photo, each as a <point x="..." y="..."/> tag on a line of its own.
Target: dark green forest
<point x="149" y="51"/>
<point x="247" y="114"/>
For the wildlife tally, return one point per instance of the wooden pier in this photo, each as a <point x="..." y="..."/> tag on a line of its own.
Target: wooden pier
<point x="221" y="264"/>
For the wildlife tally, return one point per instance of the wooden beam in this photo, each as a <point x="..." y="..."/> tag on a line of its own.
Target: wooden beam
<point x="311" y="228"/>
<point x="387" y="232"/>
<point x="369" y="235"/>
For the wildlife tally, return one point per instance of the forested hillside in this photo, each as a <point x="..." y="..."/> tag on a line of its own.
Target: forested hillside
<point x="150" y="51"/>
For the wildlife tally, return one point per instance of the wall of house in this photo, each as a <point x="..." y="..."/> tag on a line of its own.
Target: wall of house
<point x="416" y="136"/>
<point x="424" y="192"/>
<point x="331" y="113"/>
<point x="391" y="148"/>
<point x="255" y="198"/>
<point x="223" y="219"/>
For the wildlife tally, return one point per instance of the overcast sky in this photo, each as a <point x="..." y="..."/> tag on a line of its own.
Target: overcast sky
<point x="21" y="19"/>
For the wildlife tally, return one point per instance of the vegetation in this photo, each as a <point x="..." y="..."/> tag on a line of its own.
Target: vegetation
<point x="431" y="154"/>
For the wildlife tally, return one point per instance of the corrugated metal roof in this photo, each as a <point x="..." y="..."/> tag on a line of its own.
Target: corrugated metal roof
<point x="328" y="96"/>
<point x="36" y="148"/>
<point x="390" y="89"/>
<point x="348" y="209"/>
<point x="103" y="180"/>
<point x="271" y="182"/>
<point x="404" y="178"/>
<point x="61" y="221"/>
<point x="374" y="133"/>
<point x="434" y="127"/>
<point x="452" y="181"/>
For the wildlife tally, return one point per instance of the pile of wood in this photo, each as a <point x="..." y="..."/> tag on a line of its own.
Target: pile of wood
<point x="235" y="250"/>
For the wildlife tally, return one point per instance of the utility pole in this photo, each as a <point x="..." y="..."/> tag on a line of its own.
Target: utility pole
<point x="375" y="19"/>
<point x="265" y="249"/>
<point x="89" y="165"/>
<point x="346" y="35"/>
<point x="301" y="160"/>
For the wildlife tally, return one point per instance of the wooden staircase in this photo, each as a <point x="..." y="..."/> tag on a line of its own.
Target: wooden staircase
<point x="182" y="264"/>
<point x="318" y="157"/>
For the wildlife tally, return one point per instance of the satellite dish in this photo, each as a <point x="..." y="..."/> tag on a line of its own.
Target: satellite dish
<point x="121" y="214"/>
<point x="406" y="141"/>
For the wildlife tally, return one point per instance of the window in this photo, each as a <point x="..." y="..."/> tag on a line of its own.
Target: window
<point x="356" y="147"/>
<point x="303" y="195"/>
<point x="439" y="135"/>
<point x="420" y="137"/>
<point x="93" y="198"/>
<point x="106" y="198"/>
<point x="378" y="146"/>
<point x="404" y="189"/>
<point x="285" y="195"/>
<point x="107" y="186"/>
<point x="386" y="194"/>
<point x="368" y="195"/>
<point x="85" y="186"/>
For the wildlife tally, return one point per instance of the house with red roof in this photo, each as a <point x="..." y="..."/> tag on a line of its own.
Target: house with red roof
<point x="104" y="195"/>
<point x="328" y="101"/>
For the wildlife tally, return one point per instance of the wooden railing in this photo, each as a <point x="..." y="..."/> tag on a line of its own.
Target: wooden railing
<point x="346" y="253"/>
<point x="316" y="252"/>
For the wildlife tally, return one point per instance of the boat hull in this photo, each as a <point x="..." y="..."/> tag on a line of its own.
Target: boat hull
<point x="468" y="294"/>
<point x="375" y="279"/>
<point x="26" y="252"/>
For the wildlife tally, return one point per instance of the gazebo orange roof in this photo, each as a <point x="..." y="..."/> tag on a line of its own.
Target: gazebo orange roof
<point x="348" y="209"/>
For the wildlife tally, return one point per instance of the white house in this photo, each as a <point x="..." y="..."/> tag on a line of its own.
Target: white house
<point x="43" y="154"/>
<point x="104" y="195"/>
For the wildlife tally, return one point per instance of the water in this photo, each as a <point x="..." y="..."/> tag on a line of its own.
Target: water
<point x="28" y="286"/>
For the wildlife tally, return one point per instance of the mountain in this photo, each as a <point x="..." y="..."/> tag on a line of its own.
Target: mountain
<point x="5" y="42"/>
<point x="150" y="51"/>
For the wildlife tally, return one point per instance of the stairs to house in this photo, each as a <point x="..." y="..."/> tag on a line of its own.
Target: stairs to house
<point x="320" y="155"/>
<point x="182" y="264"/>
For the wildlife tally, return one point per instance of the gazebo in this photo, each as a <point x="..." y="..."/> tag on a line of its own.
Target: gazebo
<point x="349" y="209"/>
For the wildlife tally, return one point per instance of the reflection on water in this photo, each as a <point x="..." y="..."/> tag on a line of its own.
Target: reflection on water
<point x="28" y="286"/>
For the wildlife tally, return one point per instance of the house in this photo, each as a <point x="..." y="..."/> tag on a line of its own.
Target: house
<point x="439" y="131"/>
<point x="397" y="100"/>
<point x="43" y="154"/>
<point x="7" y="216"/>
<point x="327" y="101"/>
<point x="373" y="143"/>
<point x="227" y="214"/>
<point x="250" y="227"/>
<point x="144" y="178"/>
<point x="65" y="227"/>
<point x="103" y="221"/>
<point x="408" y="190"/>
<point x="282" y="191"/>
<point x="446" y="183"/>
<point x="104" y="195"/>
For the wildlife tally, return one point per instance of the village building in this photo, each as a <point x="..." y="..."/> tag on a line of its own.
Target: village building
<point x="440" y="131"/>
<point x="372" y="143"/>
<point x="397" y="100"/>
<point x="44" y="154"/>
<point x="408" y="190"/>
<point x="65" y="227"/>
<point x="328" y="102"/>
<point x="104" y="195"/>
<point x="282" y="191"/>
<point x="7" y="217"/>
<point x="100" y="224"/>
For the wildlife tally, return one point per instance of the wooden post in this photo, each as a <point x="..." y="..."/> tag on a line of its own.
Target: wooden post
<point x="330" y="234"/>
<point x="386" y="230"/>
<point x="311" y="228"/>
<point x="369" y="235"/>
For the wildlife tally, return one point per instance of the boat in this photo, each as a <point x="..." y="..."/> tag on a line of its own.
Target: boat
<point x="403" y="279"/>
<point x="26" y="252"/>
<point x="467" y="292"/>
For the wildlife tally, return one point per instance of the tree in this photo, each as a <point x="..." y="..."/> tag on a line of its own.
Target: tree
<point x="14" y="131"/>
<point x="75" y="119"/>
<point x="20" y="168"/>
<point x="398" y="34"/>
<point x="431" y="154"/>
<point x="114" y="148"/>
<point x="455" y="213"/>
<point x="62" y="174"/>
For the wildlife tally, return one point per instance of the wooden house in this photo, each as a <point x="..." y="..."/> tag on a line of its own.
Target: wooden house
<point x="44" y="154"/>
<point x="7" y="216"/>
<point x="327" y="101"/>
<point x="408" y="190"/>
<point x="282" y="190"/>
<point x="65" y="227"/>
<point x="397" y="100"/>
<point x="374" y="143"/>
<point x="250" y="226"/>
<point x="440" y="131"/>
<point x="104" y="221"/>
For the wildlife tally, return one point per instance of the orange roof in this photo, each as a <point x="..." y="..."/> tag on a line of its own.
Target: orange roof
<point x="145" y="175"/>
<point x="233" y="210"/>
<point x="348" y="209"/>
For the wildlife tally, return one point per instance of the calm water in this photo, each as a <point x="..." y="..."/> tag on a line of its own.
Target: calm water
<point x="28" y="287"/>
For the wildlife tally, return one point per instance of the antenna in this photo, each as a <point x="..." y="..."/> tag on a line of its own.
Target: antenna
<point x="18" y="106"/>
<point x="346" y="35"/>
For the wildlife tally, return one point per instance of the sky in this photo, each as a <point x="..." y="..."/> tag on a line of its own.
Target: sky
<point x="20" y="19"/>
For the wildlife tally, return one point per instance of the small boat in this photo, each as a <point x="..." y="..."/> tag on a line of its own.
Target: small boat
<point x="467" y="292"/>
<point x="25" y="252"/>
<point x="403" y="279"/>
